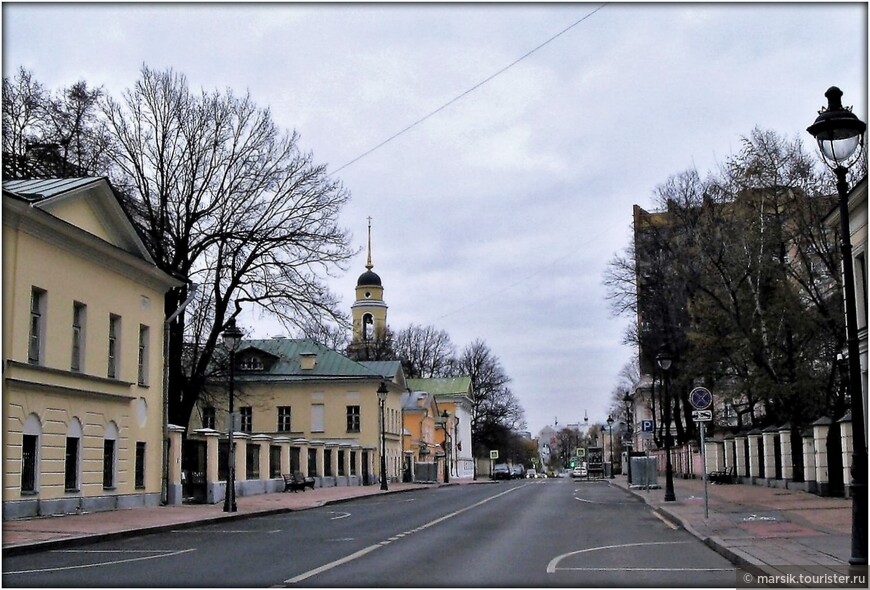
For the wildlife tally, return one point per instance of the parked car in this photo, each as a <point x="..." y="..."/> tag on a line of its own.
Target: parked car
<point x="531" y="473"/>
<point x="579" y="471"/>
<point x="501" y="471"/>
<point x="518" y="472"/>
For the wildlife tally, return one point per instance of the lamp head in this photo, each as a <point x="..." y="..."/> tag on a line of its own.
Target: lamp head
<point x="838" y="131"/>
<point x="609" y="420"/>
<point x="232" y="335"/>
<point x="383" y="391"/>
<point x="664" y="360"/>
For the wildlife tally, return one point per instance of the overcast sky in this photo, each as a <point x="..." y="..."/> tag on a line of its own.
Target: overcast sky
<point x="495" y="217"/>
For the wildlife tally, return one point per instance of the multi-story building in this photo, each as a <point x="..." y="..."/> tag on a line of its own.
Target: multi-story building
<point x="82" y="343"/>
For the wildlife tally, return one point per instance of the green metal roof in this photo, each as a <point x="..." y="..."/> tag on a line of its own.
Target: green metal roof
<point x="45" y="188"/>
<point x="329" y="365"/>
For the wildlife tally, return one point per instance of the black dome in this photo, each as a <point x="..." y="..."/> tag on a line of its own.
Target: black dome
<point x="369" y="278"/>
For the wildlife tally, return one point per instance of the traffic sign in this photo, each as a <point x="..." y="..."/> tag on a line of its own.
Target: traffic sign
<point x="581" y="452"/>
<point x="493" y="455"/>
<point x="702" y="415"/>
<point x="700" y="398"/>
<point x="647" y="426"/>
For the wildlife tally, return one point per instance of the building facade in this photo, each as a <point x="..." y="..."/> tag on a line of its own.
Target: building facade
<point x="82" y="342"/>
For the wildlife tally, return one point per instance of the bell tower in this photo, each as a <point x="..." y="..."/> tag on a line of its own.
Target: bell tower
<point x="369" y="310"/>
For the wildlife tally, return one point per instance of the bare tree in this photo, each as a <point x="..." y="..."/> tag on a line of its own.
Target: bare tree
<point x="224" y="198"/>
<point x="495" y="406"/>
<point x="425" y="351"/>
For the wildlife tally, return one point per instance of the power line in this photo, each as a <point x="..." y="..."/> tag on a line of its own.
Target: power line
<point x="467" y="92"/>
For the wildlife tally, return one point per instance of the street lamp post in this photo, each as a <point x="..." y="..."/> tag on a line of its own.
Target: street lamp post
<point x="840" y="135"/>
<point x="445" y="416"/>
<point x="232" y="336"/>
<point x="610" y="425"/>
<point x="382" y="400"/>
<point x="664" y="361"/>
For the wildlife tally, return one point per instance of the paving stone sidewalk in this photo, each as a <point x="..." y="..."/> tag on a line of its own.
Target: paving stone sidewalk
<point x="768" y="530"/>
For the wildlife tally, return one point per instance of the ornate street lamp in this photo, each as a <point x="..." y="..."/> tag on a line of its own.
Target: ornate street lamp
<point x="610" y="425"/>
<point x="382" y="400"/>
<point x="664" y="361"/>
<point x="232" y="336"/>
<point x="840" y="135"/>
<point x="445" y="416"/>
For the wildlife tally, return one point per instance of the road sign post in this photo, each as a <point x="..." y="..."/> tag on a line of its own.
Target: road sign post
<point x="701" y="398"/>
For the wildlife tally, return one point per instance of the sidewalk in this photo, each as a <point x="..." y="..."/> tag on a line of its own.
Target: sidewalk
<point x="52" y="532"/>
<point x="770" y="530"/>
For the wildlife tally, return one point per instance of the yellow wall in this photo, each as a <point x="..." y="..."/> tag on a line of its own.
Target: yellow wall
<point x="69" y="272"/>
<point x="264" y="399"/>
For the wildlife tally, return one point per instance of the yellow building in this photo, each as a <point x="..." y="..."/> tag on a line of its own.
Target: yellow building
<point x="321" y="404"/>
<point x="455" y="396"/>
<point x="82" y="343"/>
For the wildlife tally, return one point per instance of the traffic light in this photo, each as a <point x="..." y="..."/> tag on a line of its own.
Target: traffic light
<point x="572" y="463"/>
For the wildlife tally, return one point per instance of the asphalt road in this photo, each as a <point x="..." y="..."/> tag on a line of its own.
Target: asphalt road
<point x="530" y="533"/>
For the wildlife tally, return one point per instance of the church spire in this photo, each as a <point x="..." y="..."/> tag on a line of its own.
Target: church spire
<point x="369" y="264"/>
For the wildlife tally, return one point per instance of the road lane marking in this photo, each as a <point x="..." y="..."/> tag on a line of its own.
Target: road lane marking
<point x="362" y="552"/>
<point x="552" y="566"/>
<point x="665" y="520"/>
<point x="341" y="515"/>
<point x="646" y="569"/>
<point x="87" y="565"/>
<point x="222" y="531"/>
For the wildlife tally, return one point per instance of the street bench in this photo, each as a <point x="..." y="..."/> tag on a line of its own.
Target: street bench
<point x="723" y="475"/>
<point x="296" y="481"/>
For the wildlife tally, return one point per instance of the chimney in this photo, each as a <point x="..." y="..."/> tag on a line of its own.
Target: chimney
<point x="307" y="360"/>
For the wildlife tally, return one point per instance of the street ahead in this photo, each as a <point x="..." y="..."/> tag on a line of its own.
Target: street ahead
<point x="533" y="533"/>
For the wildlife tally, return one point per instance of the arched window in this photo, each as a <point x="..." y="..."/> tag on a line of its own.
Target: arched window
<point x="110" y="442"/>
<point x="30" y="454"/>
<point x="73" y="454"/>
<point x="368" y="327"/>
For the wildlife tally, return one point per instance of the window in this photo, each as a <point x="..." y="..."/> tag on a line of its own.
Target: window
<point x="29" y="445"/>
<point x="247" y="419"/>
<point x="353" y="418"/>
<point x="78" y="337"/>
<point x="143" y="355"/>
<point x="208" y="417"/>
<point x="353" y="462"/>
<point x="341" y="462"/>
<point x="109" y="447"/>
<point x="114" y="345"/>
<point x="71" y="464"/>
<point x="316" y="417"/>
<point x="37" y="326"/>
<point x="140" y="465"/>
<point x="283" y="418"/>
<point x="327" y="463"/>
<point x="251" y="363"/>
<point x="367" y="325"/>
<point x="274" y="461"/>
<point x="252" y="462"/>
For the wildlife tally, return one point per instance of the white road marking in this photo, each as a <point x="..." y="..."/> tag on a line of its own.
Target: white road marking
<point x="341" y="515"/>
<point x="87" y="565"/>
<point x="222" y="531"/>
<point x="362" y="552"/>
<point x="552" y="566"/>
<point x="647" y="569"/>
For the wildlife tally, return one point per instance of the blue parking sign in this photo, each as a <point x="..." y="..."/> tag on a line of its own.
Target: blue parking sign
<point x="647" y="426"/>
